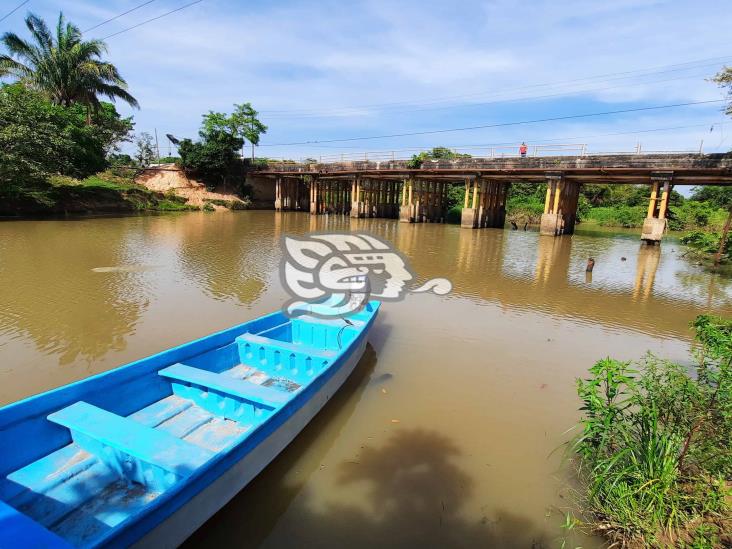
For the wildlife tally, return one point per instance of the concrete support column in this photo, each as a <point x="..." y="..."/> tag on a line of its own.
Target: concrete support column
<point x="560" y="206"/>
<point x="655" y="223"/>
<point x="406" y="212"/>
<point x="470" y="218"/>
<point x="313" y="196"/>
<point x="278" y="194"/>
<point x="356" y="197"/>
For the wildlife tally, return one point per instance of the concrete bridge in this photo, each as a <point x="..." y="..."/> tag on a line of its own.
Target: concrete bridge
<point x="395" y="189"/>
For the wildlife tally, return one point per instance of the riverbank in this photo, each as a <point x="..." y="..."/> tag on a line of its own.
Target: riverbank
<point x="655" y="452"/>
<point x="109" y="192"/>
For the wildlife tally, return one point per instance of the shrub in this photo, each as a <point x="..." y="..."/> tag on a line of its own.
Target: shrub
<point x="454" y="214"/>
<point x="619" y="216"/>
<point x="656" y="446"/>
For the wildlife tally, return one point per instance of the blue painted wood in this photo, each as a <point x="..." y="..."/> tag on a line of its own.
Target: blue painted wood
<point x="91" y="506"/>
<point x="17" y="530"/>
<point x="266" y="397"/>
<point x="148" y="456"/>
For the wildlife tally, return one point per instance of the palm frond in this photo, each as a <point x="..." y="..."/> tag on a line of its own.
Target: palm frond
<point x="64" y="67"/>
<point x="40" y="32"/>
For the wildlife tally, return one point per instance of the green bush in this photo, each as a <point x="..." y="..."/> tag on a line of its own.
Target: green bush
<point x="524" y="209"/>
<point x="618" y="216"/>
<point x="454" y="214"/>
<point x="656" y="447"/>
<point x="39" y="139"/>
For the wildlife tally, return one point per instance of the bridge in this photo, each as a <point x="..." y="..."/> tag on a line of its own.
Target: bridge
<point x="397" y="189"/>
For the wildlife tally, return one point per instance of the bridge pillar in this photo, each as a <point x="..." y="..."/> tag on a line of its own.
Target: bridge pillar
<point x="655" y="223"/>
<point x="278" y="194"/>
<point x="560" y="206"/>
<point x="356" y="191"/>
<point x="470" y="217"/>
<point x="314" y="195"/>
<point x="406" y="211"/>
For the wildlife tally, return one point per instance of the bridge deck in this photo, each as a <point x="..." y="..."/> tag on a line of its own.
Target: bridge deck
<point x="714" y="169"/>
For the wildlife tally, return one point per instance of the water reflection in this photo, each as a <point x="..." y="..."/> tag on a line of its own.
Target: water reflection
<point x="645" y="273"/>
<point x="225" y="258"/>
<point x="51" y="305"/>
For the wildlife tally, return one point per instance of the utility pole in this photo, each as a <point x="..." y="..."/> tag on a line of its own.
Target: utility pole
<point x="157" y="145"/>
<point x="252" y="129"/>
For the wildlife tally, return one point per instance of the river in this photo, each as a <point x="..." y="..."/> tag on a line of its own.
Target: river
<point x="450" y="431"/>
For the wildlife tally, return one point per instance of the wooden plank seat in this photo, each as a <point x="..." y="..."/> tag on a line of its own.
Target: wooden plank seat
<point x="151" y="457"/>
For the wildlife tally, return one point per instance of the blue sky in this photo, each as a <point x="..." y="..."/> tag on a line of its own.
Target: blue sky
<point x="332" y="70"/>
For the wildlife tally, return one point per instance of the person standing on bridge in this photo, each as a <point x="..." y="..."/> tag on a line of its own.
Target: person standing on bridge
<point x="523" y="149"/>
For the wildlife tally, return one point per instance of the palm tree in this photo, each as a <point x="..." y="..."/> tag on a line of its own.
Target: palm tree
<point x="64" y="67"/>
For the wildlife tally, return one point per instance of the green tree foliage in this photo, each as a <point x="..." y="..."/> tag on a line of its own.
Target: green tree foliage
<point x="39" y="138"/>
<point x="63" y="66"/>
<point x="221" y="137"/>
<point x="704" y="242"/>
<point x="525" y="202"/>
<point x="437" y="153"/>
<point x="656" y="445"/>
<point x="724" y="80"/>
<point x="718" y="197"/>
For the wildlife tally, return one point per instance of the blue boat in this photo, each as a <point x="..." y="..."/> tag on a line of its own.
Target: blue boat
<point x="144" y="454"/>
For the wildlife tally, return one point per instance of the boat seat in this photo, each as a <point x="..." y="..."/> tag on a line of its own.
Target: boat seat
<point x="286" y="346"/>
<point x="222" y="383"/>
<point x="139" y="453"/>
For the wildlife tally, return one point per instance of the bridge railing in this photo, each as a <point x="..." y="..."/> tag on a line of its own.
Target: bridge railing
<point x="503" y="151"/>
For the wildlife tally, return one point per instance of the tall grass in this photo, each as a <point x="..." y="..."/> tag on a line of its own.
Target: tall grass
<point x="656" y="446"/>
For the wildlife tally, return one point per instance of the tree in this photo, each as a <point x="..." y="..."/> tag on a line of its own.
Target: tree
<point x="724" y="80"/>
<point x="221" y="136"/>
<point x="64" y="67"/>
<point x="145" y="153"/>
<point x="38" y="139"/>
<point x="212" y="158"/>
<point x="437" y="153"/>
<point x="243" y="124"/>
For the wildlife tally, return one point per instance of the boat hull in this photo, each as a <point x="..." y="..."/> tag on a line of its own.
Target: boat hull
<point x="186" y="520"/>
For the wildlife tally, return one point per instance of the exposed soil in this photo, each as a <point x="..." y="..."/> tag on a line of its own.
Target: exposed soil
<point x="169" y="177"/>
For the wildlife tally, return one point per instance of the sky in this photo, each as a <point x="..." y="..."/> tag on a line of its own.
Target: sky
<point x="333" y="71"/>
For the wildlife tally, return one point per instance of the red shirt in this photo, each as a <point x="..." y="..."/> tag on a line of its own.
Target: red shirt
<point x="523" y="149"/>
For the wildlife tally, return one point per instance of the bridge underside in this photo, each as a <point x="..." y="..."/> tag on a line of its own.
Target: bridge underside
<point x="421" y="195"/>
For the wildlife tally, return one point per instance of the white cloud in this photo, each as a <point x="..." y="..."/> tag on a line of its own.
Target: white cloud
<point x="338" y="58"/>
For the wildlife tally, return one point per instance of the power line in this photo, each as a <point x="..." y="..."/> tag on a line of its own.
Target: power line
<point x="152" y="19"/>
<point x="508" y="143"/>
<point x="499" y="125"/>
<point x="120" y="15"/>
<point x="503" y="101"/>
<point x="682" y="66"/>
<point x="11" y="12"/>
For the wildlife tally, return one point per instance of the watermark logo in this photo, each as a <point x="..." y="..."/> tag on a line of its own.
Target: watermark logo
<point x="333" y="275"/>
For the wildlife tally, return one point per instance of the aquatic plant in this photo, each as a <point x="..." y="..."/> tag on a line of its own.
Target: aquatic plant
<point x="655" y="452"/>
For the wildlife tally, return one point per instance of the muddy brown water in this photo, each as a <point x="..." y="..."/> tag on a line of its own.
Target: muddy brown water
<point x="449" y="432"/>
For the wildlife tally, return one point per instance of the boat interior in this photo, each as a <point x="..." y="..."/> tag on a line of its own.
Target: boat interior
<point x="97" y="461"/>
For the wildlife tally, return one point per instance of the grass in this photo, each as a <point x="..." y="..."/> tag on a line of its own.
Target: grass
<point x="105" y="191"/>
<point x="655" y="453"/>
